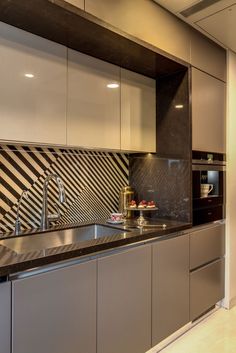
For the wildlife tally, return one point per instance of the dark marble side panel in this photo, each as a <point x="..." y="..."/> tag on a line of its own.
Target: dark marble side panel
<point x="166" y="181"/>
<point x="174" y="137"/>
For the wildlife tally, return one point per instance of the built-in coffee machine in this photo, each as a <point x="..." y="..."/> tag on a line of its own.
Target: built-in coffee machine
<point x="208" y="186"/>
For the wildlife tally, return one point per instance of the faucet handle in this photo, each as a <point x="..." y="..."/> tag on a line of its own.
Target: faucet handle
<point x="53" y="217"/>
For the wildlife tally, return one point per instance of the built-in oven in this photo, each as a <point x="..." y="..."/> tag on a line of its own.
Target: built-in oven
<point x="208" y="186"/>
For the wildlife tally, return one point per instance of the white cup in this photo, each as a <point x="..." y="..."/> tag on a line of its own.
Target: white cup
<point x="116" y="217"/>
<point x="206" y="189"/>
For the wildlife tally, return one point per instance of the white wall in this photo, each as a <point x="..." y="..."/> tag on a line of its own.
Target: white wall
<point x="230" y="298"/>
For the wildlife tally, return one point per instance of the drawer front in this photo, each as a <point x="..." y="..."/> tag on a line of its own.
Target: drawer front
<point x="207" y="215"/>
<point x="206" y="288"/>
<point x="207" y="201"/>
<point x="207" y="245"/>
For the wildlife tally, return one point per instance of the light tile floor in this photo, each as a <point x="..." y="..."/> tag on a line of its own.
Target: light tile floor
<point x="216" y="334"/>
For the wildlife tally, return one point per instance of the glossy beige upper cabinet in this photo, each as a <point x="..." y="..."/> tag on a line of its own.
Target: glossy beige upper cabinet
<point x="138" y="112"/>
<point x="77" y="3"/>
<point x="32" y="88"/>
<point x="145" y="20"/>
<point x="208" y="112"/>
<point x="208" y="56"/>
<point x="93" y="115"/>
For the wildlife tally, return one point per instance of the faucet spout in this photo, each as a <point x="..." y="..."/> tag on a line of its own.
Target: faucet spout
<point x="46" y="217"/>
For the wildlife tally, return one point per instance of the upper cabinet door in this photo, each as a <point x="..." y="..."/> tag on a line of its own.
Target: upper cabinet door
<point x="147" y="21"/>
<point x="138" y="112"/>
<point x="208" y="112"/>
<point x="93" y="116"/>
<point x="207" y="55"/>
<point x="32" y="89"/>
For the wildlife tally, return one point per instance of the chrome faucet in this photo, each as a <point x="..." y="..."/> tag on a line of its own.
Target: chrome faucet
<point x="18" y="222"/>
<point x="46" y="218"/>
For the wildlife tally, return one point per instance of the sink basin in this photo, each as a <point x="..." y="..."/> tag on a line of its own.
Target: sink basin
<point x="57" y="238"/>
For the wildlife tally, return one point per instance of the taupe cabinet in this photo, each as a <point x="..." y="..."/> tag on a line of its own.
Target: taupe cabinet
<point x="170" y="287"/>
<point x="5" y="317"/>
<point x="208" y="112"/>
<point x="55" y="311"/>
<point x="207" y="248"/>
<point x="33" y="88"/>
<point x="138" y="112"/>
<point x="124" y="302"/>
<point x="127" y="300"/>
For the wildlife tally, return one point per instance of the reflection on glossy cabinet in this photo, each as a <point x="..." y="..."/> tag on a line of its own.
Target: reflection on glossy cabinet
<point x="5" y="317"/>
<point x="208" y="112"/>
<point x="124" y="302"/>
<point x="55" y="312"/>
<point x="138" y="112"/>
<point x="93" y="118"/>
<point x="170" y="287"/>
<point x="33" y="88"/>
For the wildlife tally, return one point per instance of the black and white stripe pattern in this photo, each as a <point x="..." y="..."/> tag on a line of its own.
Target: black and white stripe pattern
<point x="92" y="182"/>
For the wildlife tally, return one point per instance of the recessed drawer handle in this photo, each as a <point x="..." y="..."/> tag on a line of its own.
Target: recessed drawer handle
<point x="209" y="213"/>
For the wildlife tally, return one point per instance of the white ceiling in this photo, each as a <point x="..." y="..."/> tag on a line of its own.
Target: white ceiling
<point x="217" y="19"/>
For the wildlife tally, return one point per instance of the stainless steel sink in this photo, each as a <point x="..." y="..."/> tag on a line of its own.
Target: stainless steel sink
<point x="35" y="242"/>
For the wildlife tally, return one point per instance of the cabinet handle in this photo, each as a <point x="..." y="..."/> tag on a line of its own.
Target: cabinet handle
<point x="209" y="213"/>
<point x="209" y="200"/>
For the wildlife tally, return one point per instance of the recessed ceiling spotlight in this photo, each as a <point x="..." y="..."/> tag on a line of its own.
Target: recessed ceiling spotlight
<point x="28" y="75"/>
<point x="113" y="85"/>
<point x="179" y="106"/>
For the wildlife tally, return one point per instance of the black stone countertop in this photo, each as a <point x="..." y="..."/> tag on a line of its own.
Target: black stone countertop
<point x="12" y="261"/>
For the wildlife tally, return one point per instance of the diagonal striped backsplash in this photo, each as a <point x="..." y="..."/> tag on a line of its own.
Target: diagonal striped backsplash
<point x="92" y="182"/>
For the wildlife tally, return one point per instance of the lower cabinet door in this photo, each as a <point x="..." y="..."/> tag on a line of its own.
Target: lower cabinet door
<point x="5" y="317"/>
<point x="124" y="302"/>
<point x="206" y="287"/>
<point x="55" y="312"/>
<point x="170" y="287"/>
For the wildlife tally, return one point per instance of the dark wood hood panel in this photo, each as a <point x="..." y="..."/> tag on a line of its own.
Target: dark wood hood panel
<point x="63" y="23"/>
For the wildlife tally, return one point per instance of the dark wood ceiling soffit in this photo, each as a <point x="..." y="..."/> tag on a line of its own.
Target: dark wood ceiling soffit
<point x="63" y="23"/>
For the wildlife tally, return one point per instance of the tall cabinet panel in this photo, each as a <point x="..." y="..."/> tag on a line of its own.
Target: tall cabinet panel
<point x="32" y="89"/>
<point x="93" y="118"/>
<point x="208" y="112"/>
<point x="5" y="317"/>
<point x="55" y="311"/>
<point x="124" y="302"/>
<point x="138" y="112"/>
<point x="170" y="287"/>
